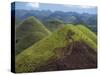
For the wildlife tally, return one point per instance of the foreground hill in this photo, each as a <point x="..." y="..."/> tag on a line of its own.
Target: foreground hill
<point x="58" y="51"/>
<point x="87" y="32"/>
<point x="29" y="32"/>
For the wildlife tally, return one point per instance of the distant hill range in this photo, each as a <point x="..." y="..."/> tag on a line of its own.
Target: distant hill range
<point x="89" y="20"/>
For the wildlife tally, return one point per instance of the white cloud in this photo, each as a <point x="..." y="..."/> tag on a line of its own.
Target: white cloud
<point x="79" y="6"/>
<point x="86" y="6"/>
<point x="33" y="4"/>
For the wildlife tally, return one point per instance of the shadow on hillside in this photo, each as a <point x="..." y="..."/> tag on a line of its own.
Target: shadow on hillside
<point x="76" y="55"/>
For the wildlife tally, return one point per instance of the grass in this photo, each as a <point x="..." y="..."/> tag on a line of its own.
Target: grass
<point x="88" y="32"/>
<point x="80" y="35"/>
<point x="28" y="40"/>
<point x="29" y="32"/>
<point x="31" y="24"/>
<point x="39" y="53"/>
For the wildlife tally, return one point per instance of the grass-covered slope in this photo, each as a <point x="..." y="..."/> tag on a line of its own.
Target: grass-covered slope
<point x="88" y="32"/>
<point x="29" y="40"/>
<point x="31" y="24"/>
<point x="29" y="32"/>
<point x="41" y="52"/>
<point x="81" y="35"/>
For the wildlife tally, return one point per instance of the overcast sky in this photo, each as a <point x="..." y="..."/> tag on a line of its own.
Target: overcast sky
<point x="56" y="7"/>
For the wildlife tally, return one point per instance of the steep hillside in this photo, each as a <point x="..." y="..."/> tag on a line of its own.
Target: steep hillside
<point x="47" y="50"/>
<point x="68" y="55"/>
<point x="88" y="32"/>
<point x="29" y="32"/>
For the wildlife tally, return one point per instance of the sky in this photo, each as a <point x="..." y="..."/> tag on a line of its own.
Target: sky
<point x="56" y="7"/>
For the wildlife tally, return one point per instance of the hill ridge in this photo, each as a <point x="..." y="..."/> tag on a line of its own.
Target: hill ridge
<point x="29" y="32"/>
<point x="38" y="54"/>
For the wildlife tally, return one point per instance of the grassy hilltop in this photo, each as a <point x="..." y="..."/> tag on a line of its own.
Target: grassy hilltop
<point x="29" y="31"/>
<point x="47" y="49"/>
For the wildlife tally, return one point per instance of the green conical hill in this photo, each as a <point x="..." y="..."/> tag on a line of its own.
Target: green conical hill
<point x="43" y="51"/>
<point x="29" y="32"/>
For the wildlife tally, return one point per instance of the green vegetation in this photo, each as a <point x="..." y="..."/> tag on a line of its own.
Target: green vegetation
<point x="42" y="51"/>
<point x="88" y="32"/>
<point x="28" y="40"/>
<point x="54" y="24"/>
<point x="79" y="35"/>
<point x="30" y="25"/>
<point x="29" y="32"/>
